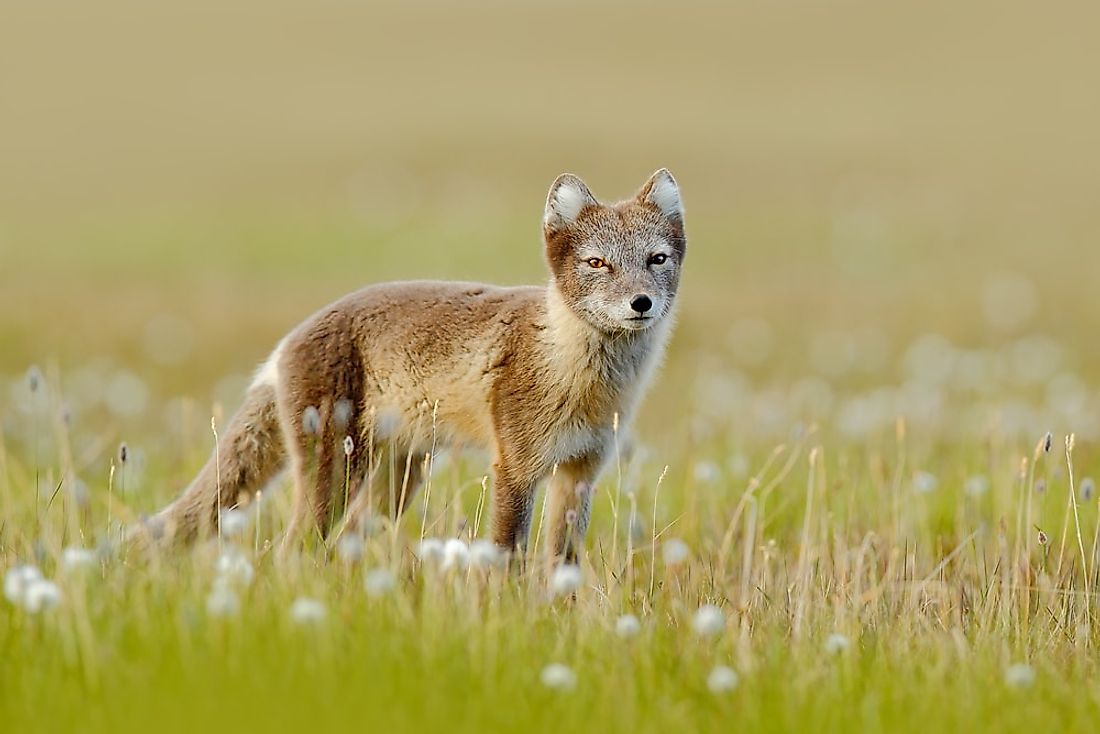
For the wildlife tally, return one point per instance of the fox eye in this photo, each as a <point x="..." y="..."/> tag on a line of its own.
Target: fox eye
<point x="659" y="259"/>
<point x="596" y="262"/>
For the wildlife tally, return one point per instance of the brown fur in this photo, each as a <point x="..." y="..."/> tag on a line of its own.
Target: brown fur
<point x="538" y="375"/>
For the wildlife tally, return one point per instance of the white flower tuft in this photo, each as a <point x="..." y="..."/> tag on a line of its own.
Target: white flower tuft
<point x="675" y="551"/>
<point x="837" y="643"/>
<point x="222" y="601"/>
<point x="558" y="677"/>
<point x="976" y="485"/>
<point x="925" y="482"/>
<point x="627" y="626"/>
<point x="379" y="582"/>
<point x="40" y="595"/>
<point x="456" y="554"/>
<point x="1020" y="675"/>
<point x="232" y="522"/>
<point x="567" y="578"/>
<point x="17" y="580"/>
<point x="430" y="550"/>
<point x="311" y="421"/>
<point x="706" y="472"/>
<point x="709" y="621"/>
<point x="307" y="611"/>
<point x="349" y="548"/>
<point x="485" y="554"/>
<point x="234" y="568"/>
<point x="74" y="558"/>
<point x="722" y="679"/>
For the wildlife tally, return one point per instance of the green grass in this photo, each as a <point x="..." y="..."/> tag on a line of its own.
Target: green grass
<point x="939" y="592"/>
<point x="892" y="223"/>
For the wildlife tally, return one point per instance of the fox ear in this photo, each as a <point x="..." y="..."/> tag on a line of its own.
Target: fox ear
<point x="568" y="197"/>
<point x="662" y="191"/>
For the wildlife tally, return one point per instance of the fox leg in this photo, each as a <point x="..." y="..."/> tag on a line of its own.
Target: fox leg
<point x="513" y="500"/>
<point x="569" y="507"/>
<point x="387" y="490"/>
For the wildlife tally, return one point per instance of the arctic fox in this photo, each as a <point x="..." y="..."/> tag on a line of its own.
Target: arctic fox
<point x="541" y="377"/>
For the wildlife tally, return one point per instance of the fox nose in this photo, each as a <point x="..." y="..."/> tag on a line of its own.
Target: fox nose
<point x="641" y="303"/>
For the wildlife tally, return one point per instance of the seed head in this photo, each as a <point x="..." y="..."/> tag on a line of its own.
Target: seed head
<point x="1043" y="539"/>
<point x="836" y="643"/>
<point x="456" y="554"/>
<point x="234" y="568"/>
<point x="379" y="582"/>
<point x="486" y="554"/>
<point x="34" y="378"/>
<point x="675" y="551"/>
<point x="349" y="446"/>
<point x="341" y="413"/>
<point x="222" y="601"/>
<point x="350" y="547"/>
<point x="1048" y="442"/>
<point x="430" y="549"/>
<point x="627" y="626"/>
<point x="1088" y="489"/>
<point x="558" y="677"/>
<point x="1020" y="675"/>
<point x="567" y="578"/>
<point x="709" y="621"/>
<point x="123" y="453"/>
<point x="311" y="421"/>
<point x="307" y="611"/>
<point x="722" y="679"/>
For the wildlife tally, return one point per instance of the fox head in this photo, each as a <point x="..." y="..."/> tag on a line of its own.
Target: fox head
<point x="616" y="265"/>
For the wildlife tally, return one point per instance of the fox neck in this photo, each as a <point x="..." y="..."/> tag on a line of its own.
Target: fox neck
<point x="584" y="357"/>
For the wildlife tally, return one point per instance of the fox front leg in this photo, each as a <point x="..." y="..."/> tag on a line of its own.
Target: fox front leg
<point x="569" y="508"/>
<point x="513" y="502"/>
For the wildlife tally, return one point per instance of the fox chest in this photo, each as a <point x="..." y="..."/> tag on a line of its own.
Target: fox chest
<point x="582" y="426"/>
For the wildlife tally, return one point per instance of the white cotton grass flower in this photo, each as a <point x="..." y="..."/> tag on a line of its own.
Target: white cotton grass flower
<point x="566" y="579"/>
<point x="836" y="643"/>
<point x="674" y="552"/>
<point x="706" y="472"/>
<point x="75" y="558"/>
<point x="485" y="554"/>
<point x="40" y="595"/>
<point x="976" y="485"/>
<point x="627" y="626"/>
<point x="349" y="446"/>
<point x="709" y="621"/>
<point x="430" y="550"/>
<point x="223" y="601"/>
<point x="558" y="677"/>
<point x="17" y="580"/>
<point x="723" y="679"/>
<point x="233" y="567"/>
<point x="456" y="554"/>
<point x="311" y="421"/>
<point x="232" y="522"/>
<point x="305" y="610"/>
<point x="925" y="482"/>
<point x="1020" y="675"/>
<point x="350" y="547"/>
<point x="379" y="582"/>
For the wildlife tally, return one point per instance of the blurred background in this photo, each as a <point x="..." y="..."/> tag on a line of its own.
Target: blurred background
<point x="892" y="207"/>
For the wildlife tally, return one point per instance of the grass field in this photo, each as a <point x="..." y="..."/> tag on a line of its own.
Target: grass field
<point x="889" y="301"/>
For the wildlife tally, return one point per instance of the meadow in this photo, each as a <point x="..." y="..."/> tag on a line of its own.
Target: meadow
<point x="860" y="495"/>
